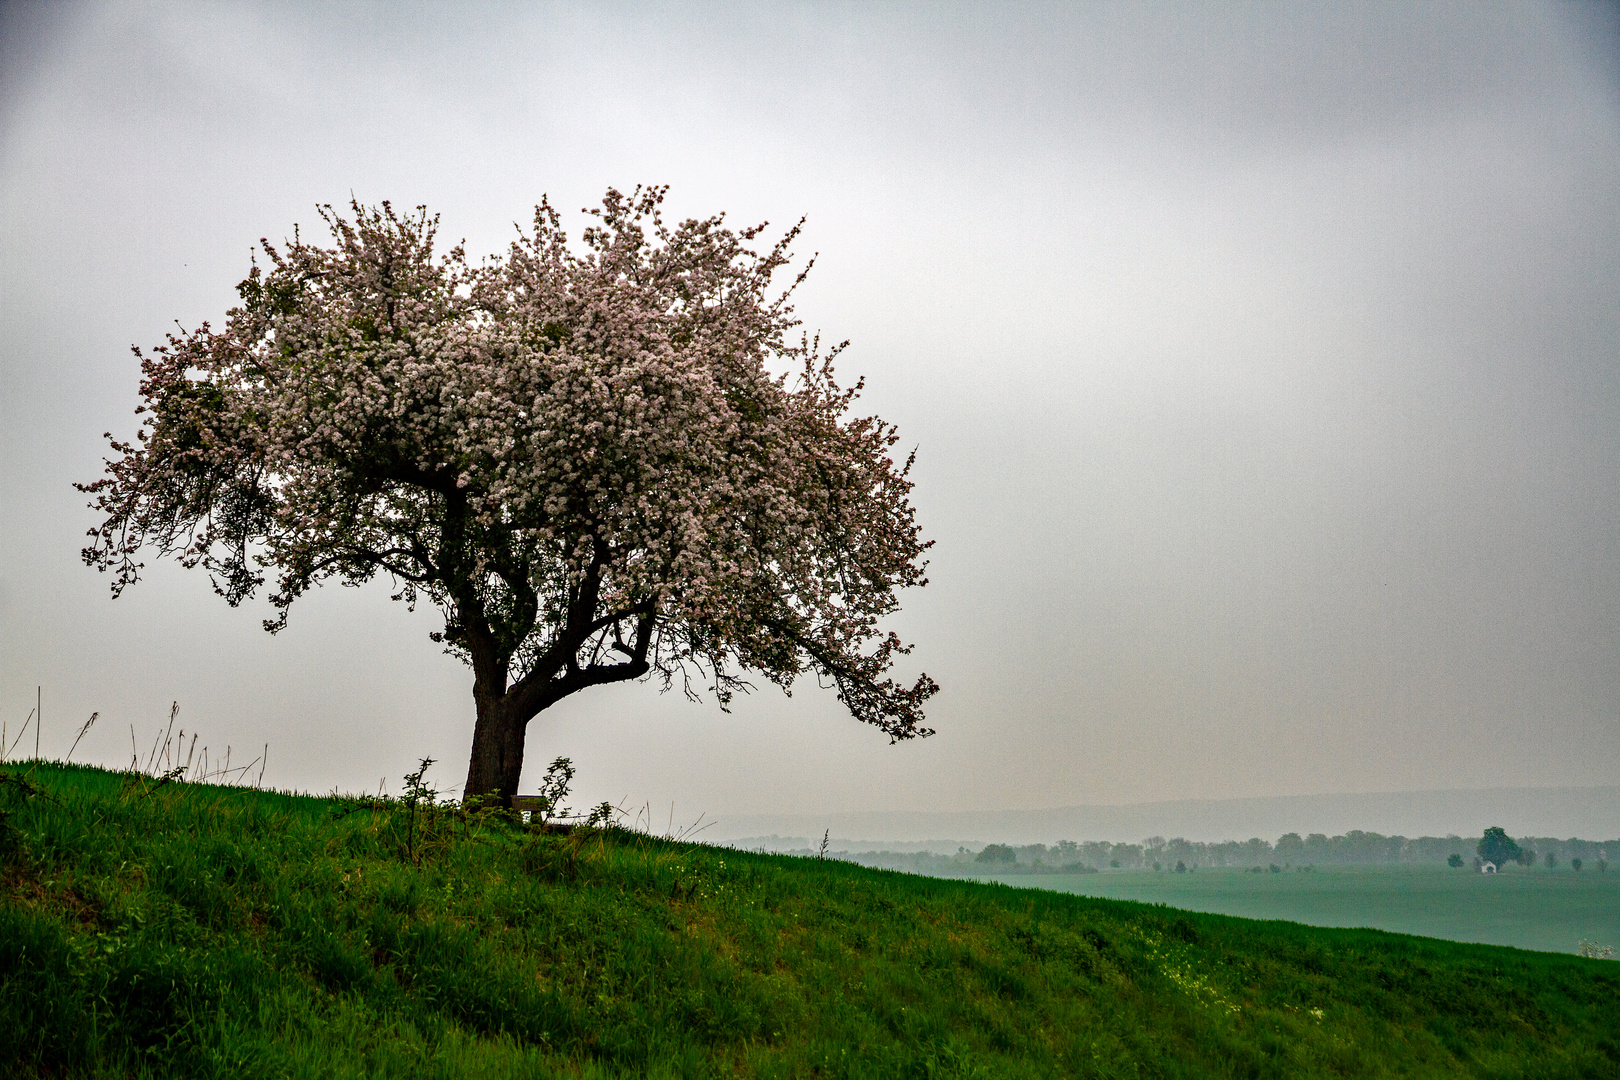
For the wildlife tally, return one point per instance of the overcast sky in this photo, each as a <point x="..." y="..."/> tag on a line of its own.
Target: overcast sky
<point x="1263" y="363"/>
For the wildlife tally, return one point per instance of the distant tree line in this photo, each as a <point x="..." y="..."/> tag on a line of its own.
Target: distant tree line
<point x="1290" y="851"/>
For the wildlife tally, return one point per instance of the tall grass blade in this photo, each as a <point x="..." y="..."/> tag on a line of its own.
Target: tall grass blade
<point x="20" y="734"/>
<point x="87" y="725"/>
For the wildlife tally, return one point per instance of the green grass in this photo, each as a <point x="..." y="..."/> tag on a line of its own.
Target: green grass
<point x="1544" y="909"/>
<point x="189" y="930"/>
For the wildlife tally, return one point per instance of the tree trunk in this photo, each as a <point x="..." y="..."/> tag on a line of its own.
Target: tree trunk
<point x="497" y="750"/>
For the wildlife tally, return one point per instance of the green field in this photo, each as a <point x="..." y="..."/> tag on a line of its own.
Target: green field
<point x="1551" y="910"/>
<point x="154" y="929"/>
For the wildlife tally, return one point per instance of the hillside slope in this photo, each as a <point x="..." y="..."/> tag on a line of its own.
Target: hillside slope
<point x="188" y="930"/>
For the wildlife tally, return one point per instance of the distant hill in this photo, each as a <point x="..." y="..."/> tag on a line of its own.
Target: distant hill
<point x="1587" y="812"/>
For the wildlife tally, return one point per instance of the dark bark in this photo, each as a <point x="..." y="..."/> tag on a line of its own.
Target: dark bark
<point x="497" y="750"/>
<point x="504" y="714"/>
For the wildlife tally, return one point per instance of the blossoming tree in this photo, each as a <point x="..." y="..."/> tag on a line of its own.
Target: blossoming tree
<point x="601" y="463"/>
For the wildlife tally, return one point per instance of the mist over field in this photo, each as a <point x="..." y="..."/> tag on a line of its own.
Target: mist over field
<point x="1592" y="813"/>
<point x="1261" y="364"/>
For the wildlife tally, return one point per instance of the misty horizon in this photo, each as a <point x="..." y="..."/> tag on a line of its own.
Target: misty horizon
<point x="1262" y="363"/>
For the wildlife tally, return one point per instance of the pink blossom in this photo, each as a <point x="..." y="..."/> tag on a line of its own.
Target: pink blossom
<point x="580" y="456"/>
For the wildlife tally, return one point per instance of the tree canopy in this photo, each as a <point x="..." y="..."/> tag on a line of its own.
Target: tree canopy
<point x="1498" y="847"/>
<point x="601" y="463"/>
<point x="996" y="853"/>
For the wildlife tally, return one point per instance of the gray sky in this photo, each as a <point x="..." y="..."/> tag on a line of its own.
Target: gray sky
<point x="1263" y="363"/>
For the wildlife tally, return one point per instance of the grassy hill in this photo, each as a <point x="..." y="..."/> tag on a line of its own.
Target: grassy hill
<point x="189" y="930"/>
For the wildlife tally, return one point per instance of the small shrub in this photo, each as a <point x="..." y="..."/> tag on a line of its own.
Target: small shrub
<point x="553" y="790"/>
<point x="603" y="815"/>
